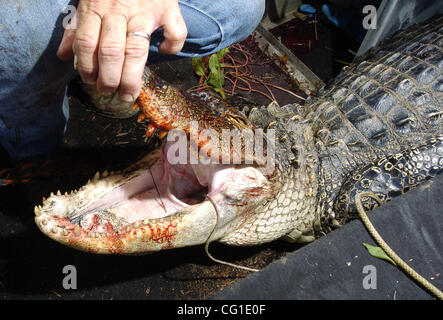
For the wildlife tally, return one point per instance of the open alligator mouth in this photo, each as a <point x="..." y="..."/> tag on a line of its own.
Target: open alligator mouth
<point x="160" y="202"/>
<point x="152" y="205"/>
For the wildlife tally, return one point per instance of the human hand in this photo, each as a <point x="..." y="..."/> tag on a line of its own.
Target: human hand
<point x="110" y="57"/>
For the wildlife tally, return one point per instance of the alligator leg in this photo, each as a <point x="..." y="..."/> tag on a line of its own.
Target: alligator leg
<point x="295" y="236"/>
<point x="390" y="177"/>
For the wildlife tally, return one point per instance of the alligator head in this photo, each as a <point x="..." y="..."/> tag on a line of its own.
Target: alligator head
<point x="161" y="202"/>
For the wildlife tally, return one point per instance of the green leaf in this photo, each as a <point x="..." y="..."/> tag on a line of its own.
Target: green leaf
<point x="378" y="253"/>
<point x="214" y="65"/>
<point x="214" y="79"/>
<point x="198" y="66"/>
<point x="216" y="76"/>
<point x="222" y="78"/>
<point x="222" y="52"/>
<point x="217" y="79"/>
<point x="220" y="91"/>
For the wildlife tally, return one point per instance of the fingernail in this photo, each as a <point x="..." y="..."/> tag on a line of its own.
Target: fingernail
<point x="126" y="97"/>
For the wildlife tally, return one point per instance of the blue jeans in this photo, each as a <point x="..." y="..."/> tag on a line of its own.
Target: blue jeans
<point x="33" y="106"/>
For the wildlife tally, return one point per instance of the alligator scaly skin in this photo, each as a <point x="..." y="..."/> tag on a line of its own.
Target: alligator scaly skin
<point x="389" y="103"/>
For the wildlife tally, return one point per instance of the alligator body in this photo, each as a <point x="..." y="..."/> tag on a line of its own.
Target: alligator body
<point x="376" y="128"/>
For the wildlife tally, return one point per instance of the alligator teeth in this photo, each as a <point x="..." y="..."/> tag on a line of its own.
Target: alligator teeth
<point x="37" y="211"/>
<point x="65" y="232"/>
<point x="96" y="176"/>
<point x="146" y="221"/>
<point x="52" y="194"/>
<point x="105" y="173"/>
<point x="44" y="222"/>
<point x="66" y="193"/>
<point x="54" y="229"/>
<point x="59" y="193"/>
<point x="76" y="231"/>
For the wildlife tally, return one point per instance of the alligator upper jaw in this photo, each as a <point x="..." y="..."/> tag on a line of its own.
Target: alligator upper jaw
<point x="152" y="205"/>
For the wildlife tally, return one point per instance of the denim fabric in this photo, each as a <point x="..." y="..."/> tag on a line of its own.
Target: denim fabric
<point x="33" y="105"/>
<point x="212" y="26"/>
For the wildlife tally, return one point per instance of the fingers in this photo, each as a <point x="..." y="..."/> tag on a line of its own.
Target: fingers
<point x="136" y="55"/>
<point x="175" y="31"/>
<point x="64" y="51"/>
<point x="86" y="42"/>
<point x="111" y="53"/>
<point x="110" y="58"/>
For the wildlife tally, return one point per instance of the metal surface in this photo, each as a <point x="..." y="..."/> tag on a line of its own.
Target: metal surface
<point x="287" y="61"/>
<point x="394" y="15"/>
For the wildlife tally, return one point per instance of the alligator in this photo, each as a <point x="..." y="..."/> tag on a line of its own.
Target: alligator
<point x="376" y="128"/>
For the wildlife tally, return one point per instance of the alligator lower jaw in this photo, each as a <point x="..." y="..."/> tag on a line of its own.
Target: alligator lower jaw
<point x="149" y="206"/>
